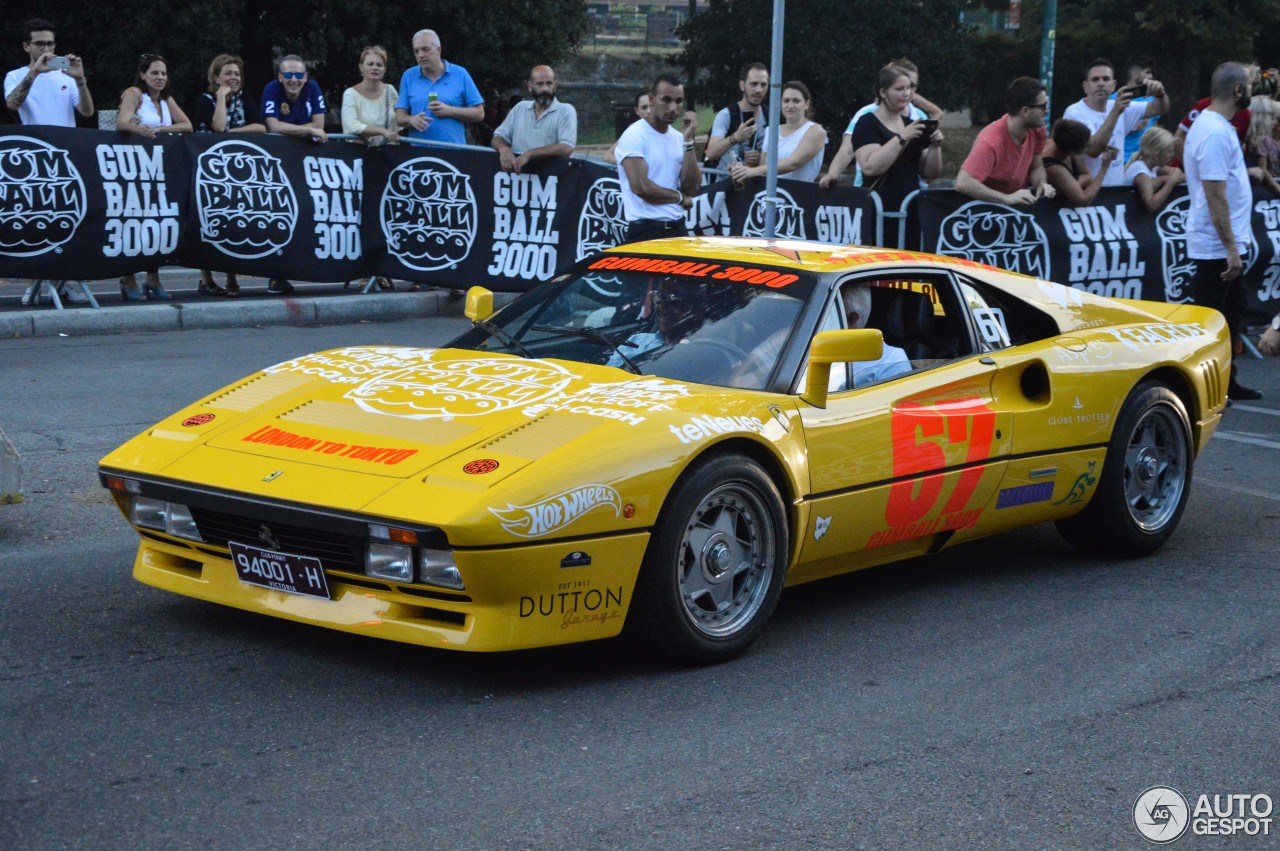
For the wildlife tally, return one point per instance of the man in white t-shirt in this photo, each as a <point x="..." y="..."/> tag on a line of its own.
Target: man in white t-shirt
<point x="1219" y="231"/>
<point x="657" y="167"/>
<point x="42" y="94"/>
<point x="1109" y="121"/>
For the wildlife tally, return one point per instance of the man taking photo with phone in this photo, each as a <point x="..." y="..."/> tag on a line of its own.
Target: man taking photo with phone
<point x="51" y="88"/>
<point x="1111" y="121"/>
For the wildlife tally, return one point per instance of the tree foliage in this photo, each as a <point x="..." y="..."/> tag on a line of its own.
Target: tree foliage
<point x="498" y="41"/>
<point x="835" y="47"/>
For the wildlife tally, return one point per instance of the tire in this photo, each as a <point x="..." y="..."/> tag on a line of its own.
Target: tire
<point x="1145" y="482"/>
<point x="713" y="571"/>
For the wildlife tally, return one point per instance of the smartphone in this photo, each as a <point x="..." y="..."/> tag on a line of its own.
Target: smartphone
<point x="1135" y="91"/>
<point x="929" y="125"/>
<point x="61" y="62"/>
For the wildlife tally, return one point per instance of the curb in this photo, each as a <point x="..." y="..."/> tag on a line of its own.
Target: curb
<point x="241" y="313"/>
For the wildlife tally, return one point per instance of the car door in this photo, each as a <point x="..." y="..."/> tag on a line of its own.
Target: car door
<point x="898" y="467"/>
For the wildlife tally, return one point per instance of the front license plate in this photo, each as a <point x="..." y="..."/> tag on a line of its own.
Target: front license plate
<point x="280" y="571"/>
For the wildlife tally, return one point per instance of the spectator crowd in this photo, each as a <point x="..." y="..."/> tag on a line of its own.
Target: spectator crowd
<point x="1110" y="137"/>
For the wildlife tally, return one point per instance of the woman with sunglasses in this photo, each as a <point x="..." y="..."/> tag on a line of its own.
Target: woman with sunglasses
<point x="225" y="108"/>
<point x="147" y="108"/>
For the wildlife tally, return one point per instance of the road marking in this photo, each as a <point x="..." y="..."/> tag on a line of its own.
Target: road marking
<point x="1254" y="409"/>
<point x="1227" y="486"/>
<point x="1246" y="438"/>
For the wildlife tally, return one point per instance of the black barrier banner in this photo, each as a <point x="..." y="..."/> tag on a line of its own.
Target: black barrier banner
<point x="843" y="216"/>
<point x="81" y="205"/>
<point x="1113" y="247"/>
<point x="275" y="207"/>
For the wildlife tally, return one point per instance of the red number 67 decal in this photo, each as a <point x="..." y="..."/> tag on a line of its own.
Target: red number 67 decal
<point x="921" y="435"/>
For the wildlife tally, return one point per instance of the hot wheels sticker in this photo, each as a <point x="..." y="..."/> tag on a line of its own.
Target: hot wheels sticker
<point x="550" y="515"/>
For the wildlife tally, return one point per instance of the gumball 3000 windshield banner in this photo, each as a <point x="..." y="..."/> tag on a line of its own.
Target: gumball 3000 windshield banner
<point x="276" y="207"/>
<point x="83" y="205"/>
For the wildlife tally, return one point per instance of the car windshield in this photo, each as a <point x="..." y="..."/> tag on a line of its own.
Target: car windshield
<point x="694" y="327"/>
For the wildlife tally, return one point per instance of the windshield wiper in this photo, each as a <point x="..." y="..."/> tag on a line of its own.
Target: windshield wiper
<point x="598" y="336"/>
<point x="502" y="336"/>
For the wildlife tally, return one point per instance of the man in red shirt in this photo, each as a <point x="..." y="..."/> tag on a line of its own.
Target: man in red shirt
<point x="1004" y="166"/>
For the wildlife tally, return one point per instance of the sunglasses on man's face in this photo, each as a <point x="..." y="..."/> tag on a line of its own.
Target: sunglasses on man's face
<point x="293" y="75"/>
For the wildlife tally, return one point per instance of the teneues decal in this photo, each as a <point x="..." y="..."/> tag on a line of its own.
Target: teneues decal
<point x="42" y="197"/>
<point x="553" y="514"/>
<point x="246" y="206"/>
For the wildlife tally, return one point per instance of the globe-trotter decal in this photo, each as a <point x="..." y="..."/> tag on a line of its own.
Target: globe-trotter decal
<point x="42" y="197"/>
<point x="428" y="214"/>
<point x="246" y="206"/>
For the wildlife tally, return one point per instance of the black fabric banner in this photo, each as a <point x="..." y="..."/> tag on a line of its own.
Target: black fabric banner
<point x="1113" y="247"/>
<point x="85" y="205"/>
<point x="275" y="207"/>
<point x="82" y="204"/>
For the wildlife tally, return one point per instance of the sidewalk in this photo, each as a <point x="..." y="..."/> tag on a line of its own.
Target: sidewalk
<point x="309" y="304"/>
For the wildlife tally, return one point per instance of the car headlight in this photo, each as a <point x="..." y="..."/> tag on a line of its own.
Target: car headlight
<point x="438" y="569"/>
<point x="389" y="561"/>
<point x="172" y="518"/>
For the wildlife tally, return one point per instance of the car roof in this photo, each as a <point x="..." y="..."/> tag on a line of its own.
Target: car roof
<point x="794" y="254"/>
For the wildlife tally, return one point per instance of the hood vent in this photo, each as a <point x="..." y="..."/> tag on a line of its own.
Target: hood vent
<point x="541" y="436"/>
<point x="259" y="391"/>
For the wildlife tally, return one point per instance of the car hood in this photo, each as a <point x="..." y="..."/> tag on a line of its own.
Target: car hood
<point x="363" y="422"/>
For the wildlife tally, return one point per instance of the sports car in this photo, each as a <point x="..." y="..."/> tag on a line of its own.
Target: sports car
<point x="659" y="440"/>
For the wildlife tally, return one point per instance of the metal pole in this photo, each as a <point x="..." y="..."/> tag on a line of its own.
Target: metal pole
<point x="775" y="114"/>
<point x="1047" y="44"/>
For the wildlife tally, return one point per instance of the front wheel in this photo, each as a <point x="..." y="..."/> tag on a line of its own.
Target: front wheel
<point x="1146" y="479"/>
<point x="713" y="571"/>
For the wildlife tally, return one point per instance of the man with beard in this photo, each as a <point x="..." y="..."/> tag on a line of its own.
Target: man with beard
<point x="537" y="129"/>
<point x="1219" y="230"/>
<point x="740" y="127"/>
<point x="657" y="167"/>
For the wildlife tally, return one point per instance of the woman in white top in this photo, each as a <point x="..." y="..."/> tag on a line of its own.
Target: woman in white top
<point x="369" y="107"/>
<point x="801" y="143"/>
<point x="146" y="109"/>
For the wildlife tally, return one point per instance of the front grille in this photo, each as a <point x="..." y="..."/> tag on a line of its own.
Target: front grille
<point x="335" y="551"/>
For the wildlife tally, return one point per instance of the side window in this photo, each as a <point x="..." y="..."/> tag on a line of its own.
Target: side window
<point x="1001" y="321"/>
<point x="921" y="316"/>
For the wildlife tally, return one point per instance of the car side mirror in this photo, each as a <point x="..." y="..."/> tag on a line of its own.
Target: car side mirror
<point x="862" y="344"/>
<point x="479" y="304"/>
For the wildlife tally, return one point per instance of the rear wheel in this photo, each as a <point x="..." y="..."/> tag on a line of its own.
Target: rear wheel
<point x="1145" y="481"/>
<point x="714" y="568"/>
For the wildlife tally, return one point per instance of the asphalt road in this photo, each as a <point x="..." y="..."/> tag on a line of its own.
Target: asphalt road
<point x="1008" y="694"/>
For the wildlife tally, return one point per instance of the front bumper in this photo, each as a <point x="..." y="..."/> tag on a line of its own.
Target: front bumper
<point x="515" y="598"/>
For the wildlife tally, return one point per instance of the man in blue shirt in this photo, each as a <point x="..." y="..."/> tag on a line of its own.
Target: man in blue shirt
<point x="292" y="104"/>
<point x="436" y="97"/>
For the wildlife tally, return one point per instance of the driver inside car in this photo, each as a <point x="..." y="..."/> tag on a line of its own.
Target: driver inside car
<point x="856" y="299"/>
<point x="678" y="311"/>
